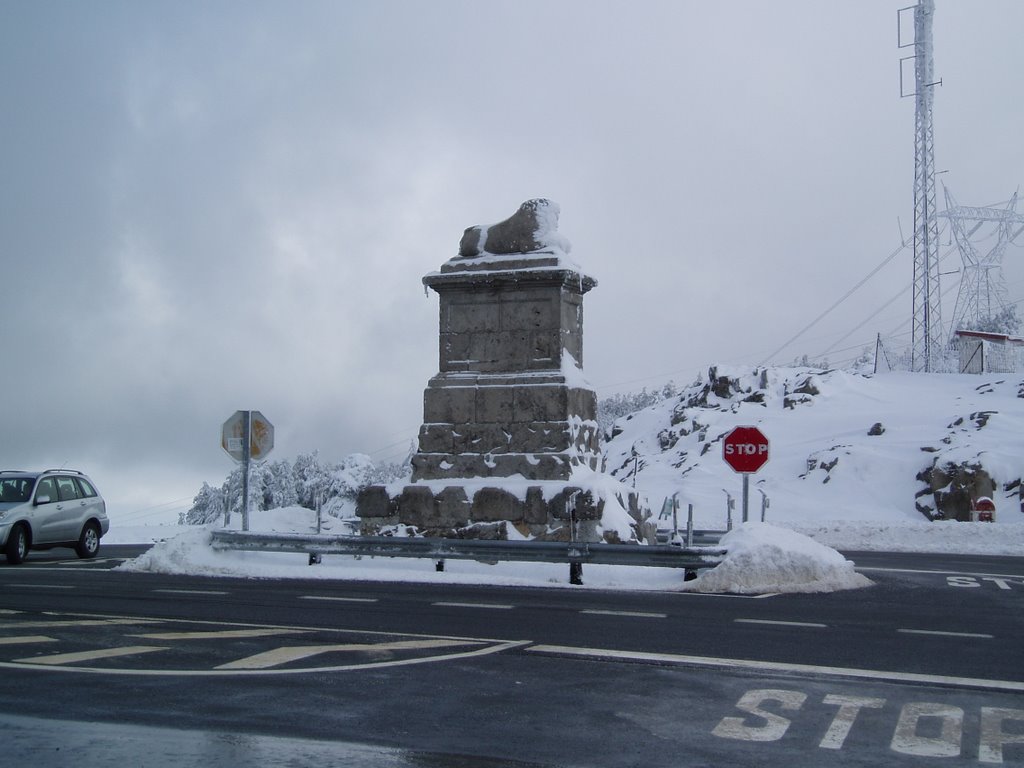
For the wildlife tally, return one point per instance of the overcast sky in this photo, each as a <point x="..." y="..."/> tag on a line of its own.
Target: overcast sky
<point x="211" y="206"/>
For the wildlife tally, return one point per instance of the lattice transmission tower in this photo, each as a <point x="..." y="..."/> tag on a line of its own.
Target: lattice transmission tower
<point x="982" y="293"/>
<point x="928" y="338"/>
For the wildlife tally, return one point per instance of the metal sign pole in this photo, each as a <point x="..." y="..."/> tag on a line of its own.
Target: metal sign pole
<point x="246" y="437"/>
<point x="746" y="495"/>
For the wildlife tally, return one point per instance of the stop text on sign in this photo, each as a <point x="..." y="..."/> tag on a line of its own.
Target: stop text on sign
<point x="745" y="449"/>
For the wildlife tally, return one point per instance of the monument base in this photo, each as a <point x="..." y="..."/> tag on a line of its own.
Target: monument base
<point x="502" y="508"/>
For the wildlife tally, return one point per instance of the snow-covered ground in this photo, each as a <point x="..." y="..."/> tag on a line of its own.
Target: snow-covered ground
<point x="762" y="557"/>
<point x="835" y="481"/>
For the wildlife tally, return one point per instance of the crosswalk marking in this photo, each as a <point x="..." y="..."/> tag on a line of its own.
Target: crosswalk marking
<point x="285" y="654"/>
<point x="224" y="634"/>
<point x="75" y="623"/>
<point x="26" y="639"/>
<point x="340" y="599"/>
<point x="59" y="659"/>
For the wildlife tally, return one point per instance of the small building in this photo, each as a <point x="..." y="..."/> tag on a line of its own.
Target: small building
<point x="984" y="352"/>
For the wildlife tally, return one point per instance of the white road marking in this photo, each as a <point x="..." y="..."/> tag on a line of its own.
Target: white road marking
<point x="191" y="591"/>
<point x="224" y="634"/>
<point x="638" y="614"/>
<point x="941" y="573"/>
<point x="74" y="658"/>
<point x="286" y="654"/>
<point x="778" y="666"/>
<point x="340" y="599"/>
<point x="494" y="606"/>
<point x="26" y="639"/>
<point x="42" y="586"/>
<point x="75" y="623"/>
<point x="8" y="612"/>
<point x="781" y="623"/>
<point x="945" y="634"/>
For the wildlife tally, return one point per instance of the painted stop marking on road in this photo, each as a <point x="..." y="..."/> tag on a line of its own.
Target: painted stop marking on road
<point x="745" y="449"/>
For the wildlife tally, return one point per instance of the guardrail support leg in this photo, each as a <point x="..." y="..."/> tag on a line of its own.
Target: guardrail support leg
<point x="439" y="566"/>
<point x="576" y="573"/>
<point x="314" y="558"/>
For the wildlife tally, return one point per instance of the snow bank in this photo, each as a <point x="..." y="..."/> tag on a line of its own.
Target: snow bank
<point x="763" y="558"/>
<point x="947" y="536"/>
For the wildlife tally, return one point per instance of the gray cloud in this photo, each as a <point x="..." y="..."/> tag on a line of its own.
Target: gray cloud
<point x="208" y="207"/>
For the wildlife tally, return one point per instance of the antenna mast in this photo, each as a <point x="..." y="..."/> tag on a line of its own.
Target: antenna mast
<point x="928" y="338"/>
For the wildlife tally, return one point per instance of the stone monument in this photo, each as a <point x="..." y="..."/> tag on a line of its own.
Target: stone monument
<point x="509" y="434"/>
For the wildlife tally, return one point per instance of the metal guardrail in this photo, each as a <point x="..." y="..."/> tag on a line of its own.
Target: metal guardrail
<point x="574" y="553"/>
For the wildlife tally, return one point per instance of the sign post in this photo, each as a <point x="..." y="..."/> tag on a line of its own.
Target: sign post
<point x="745" y="449"/>
<point x="245" y="436"/>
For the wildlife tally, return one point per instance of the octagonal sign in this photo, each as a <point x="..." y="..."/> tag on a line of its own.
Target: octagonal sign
<point x="745" y="449"/>
<point x="261" y="436"/>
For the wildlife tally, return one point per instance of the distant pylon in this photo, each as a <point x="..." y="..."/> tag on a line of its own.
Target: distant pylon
<point x="928" y="338"/>
<point x="982" y="292"/>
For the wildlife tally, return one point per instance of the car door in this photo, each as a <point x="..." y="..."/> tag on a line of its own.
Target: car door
<point x="70" y="511"/>
<point x="45" y="515"/>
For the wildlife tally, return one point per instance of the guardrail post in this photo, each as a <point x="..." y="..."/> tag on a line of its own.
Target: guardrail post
<point x="315" y="558"/>
<point x="439" y="566"/>
<point x="675" y="516"/>
<point x="689" y="525"/>
<point x="730" y="504"/>
<point x="764" y="503"/>
<point x="575" y="568"/>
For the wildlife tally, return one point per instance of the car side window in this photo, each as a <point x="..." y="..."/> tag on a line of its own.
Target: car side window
<point x="87" y="490"/>
<point x="47" y="487"/>
<point x="66" y="488"/>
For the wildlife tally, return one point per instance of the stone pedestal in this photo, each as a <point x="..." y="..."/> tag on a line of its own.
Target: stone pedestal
<point x="509" y="429"/>
<point x="510" y="398"/>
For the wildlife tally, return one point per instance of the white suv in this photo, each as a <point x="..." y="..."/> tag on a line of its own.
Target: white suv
<point x="55" y="508"/>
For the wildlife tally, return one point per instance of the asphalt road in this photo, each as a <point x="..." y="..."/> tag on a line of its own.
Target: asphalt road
<point x="124" y="668"/>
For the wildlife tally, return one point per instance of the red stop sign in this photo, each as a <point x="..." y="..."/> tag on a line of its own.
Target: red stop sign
<point x="745" y="449"/>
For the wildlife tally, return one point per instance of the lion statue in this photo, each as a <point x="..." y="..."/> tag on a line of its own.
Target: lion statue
<point x="534" y="227"/>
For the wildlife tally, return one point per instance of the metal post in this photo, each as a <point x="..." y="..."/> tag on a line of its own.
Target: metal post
<point x="764" y="503"/>
<point x="675" y="516"/>
<point x="575" y="569"/>
<point x="246" y="437"/>
<point x="729" y="504"/>
<point x="689" y="525"/>
<point x="746" y="496"/>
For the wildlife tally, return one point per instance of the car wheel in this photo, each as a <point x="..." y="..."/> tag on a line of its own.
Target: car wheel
<point x="89" y="542"/>
<point x="17" y="545"/>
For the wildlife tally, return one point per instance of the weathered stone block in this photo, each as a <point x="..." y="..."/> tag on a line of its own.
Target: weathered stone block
<point x="541" y="403"/>
<point x="451" y="508"/>
<point x="535" y="509"/>
<point x="416" y="505"/>
<point x="374" y="501"/>
<point x="494" y="404"/>
<point x="436" y="438"/>
<point x="471" y="316"/>
<point x="531" y="311"/>
<point x="449" y="404"/>
<point x="492" y="504"/>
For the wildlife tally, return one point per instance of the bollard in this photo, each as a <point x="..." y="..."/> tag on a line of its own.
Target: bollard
<point x="576" y="573"/>
<point x="764" y="503"/>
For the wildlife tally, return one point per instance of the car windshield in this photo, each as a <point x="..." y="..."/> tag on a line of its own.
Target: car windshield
<point x="15" y="489"/>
